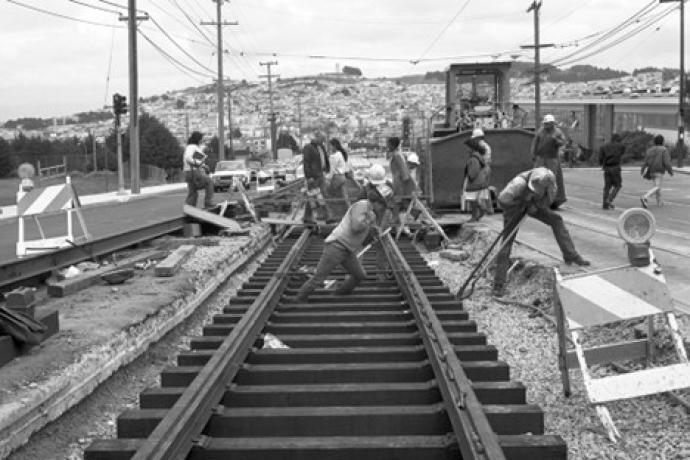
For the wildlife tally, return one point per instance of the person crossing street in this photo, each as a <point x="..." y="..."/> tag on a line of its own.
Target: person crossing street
<point x="610" y="155"/>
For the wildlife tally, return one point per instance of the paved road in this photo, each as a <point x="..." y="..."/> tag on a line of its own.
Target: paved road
<point x="101" y="221"/>
<point x="594" y="229"/>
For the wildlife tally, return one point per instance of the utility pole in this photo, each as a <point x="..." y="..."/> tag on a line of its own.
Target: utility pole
<point x="299" y="119"/>
<point x="232" y="150"/>
<point x="270" y="99"/>
<point x="132" y="19"/>
<point x="681" y="86"/>
<point x="219" y="31"/>
<point x="535" y="7"/>
<point x="93" y="150"/>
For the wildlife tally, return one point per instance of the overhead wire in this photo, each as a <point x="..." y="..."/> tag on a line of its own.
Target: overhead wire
<point x="110" y="64"/>
<point x="443" y="31"/>
<point x="181" y="48"/>
<point x="620" y="40"/>
<point x="64" y="16"/>
<point x="172" y="59"/>
<point x="95" y="7"/>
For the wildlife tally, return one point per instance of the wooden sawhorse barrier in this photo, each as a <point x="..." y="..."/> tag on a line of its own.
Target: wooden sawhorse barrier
<point x="607" y="296"/>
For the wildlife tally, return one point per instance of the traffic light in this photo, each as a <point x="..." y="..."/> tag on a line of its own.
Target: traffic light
<point x="119" y="104"/>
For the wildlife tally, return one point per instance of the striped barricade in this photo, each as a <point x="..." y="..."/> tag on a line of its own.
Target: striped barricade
<point x="48" y="200"/>
<point x="609" y="296"/>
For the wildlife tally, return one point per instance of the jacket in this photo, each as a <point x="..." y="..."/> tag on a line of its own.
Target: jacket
<point x="610" y="154"/>
<point x="313" y="169"/>
<point x="403" y="183"/>
<point x="518" y="195"/>
<point x="658" y="160"/>
<point x="546" y="144"/>
<point x="477" y="173"/>
<point x="354" y="227"/>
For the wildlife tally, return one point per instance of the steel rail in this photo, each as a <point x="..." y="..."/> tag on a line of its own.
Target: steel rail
<point x="474" y="435"/>
<point x="21" y="269"/>
<point x="183" y="424"/>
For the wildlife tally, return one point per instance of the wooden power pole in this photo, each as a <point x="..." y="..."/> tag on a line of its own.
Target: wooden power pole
<point x="268" y="75"/>
<point x="535" y="7"/>
<point x="219" y="90"/>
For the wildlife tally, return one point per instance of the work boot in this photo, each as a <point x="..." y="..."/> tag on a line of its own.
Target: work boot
<point x="578" y="261"/>
<point x="643" y="202"/>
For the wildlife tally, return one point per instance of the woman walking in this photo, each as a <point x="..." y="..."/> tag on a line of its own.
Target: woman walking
<point x="657" y="162"/>
<point x="477" y="172"/>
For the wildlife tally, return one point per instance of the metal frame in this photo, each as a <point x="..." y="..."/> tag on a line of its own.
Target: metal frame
<point x="475" y="437"/>
<point x="183" y="424"/>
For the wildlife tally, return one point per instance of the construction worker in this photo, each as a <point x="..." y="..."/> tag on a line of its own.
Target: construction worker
<point x="545" y="152"/>
<point x="531" y="193"/>
<point x="347" y="239"/>
<point x="316" y="166"/>
<point x="610" y="155"/>
<point x="413" y="167"/>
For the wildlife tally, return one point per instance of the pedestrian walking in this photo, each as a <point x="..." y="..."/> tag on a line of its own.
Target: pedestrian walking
<point x="531" y="193"/>
<point x="476" y="183"/>
<point x="316" y="166"/>
<point x="545" y="147"/>
<point x="657" y="162"/>
<point x="610" y="155"/>
<point x="362" y="219"/>
<point x="196" y="172"/>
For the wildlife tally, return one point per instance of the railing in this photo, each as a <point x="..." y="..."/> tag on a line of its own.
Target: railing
<point x="48" y="172"/>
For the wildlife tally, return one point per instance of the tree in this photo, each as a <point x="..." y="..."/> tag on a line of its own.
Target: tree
<point x="6" y="164"/>
<point x="180" y="104"/>
<point x="157" y="145"/>
<point x="236" y="133"/>
<point x="347" y="70"/>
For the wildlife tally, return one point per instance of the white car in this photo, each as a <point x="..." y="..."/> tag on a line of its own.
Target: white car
<point x="228" y="170"/>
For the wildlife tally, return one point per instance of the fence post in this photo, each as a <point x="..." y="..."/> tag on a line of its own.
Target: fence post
<point x="38" y="169"/>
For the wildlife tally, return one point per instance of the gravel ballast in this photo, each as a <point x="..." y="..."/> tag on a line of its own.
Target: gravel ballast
<point x="652" y="427"/>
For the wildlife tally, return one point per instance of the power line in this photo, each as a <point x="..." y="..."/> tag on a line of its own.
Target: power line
<point x="192" y="22"/>
<point x="110" y="63"/>
<point x="443" y="31"/>
<point x="64" y="16"/>
<point x="95" y="7"/>
<point x="170" y="58"/>
<point x="178" y="45"/>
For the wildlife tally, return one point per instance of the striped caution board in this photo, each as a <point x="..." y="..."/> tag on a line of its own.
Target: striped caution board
<point x="609" y="296"/>
<point x="614" y="295"/>
<point x="49" y="200"/>
<point x="46" y="200"/>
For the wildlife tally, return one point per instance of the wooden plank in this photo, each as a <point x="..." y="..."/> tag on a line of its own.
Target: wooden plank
<point x="171" y="264"/>
<point x="72" y="285"/>
<point x="279" y="221"/>
<point x="211" y="218"/>
<point x="622" y="351"/>
<point x="640" y="383"/>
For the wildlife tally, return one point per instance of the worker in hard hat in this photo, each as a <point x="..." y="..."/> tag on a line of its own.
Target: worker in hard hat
<point x="531" y="192"/>
<point x="364" y="217"/>
<point x="545" y="149"/>
<point x="413" y="167"/>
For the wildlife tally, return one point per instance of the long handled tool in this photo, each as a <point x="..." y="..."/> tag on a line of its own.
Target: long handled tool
<point x="370" y="245"/>
<point x="505" y="236"/>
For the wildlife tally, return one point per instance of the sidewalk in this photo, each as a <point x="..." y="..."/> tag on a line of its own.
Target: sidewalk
<point x="7" y="212"/>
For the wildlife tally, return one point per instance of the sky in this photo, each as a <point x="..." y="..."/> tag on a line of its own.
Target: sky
<point x="54" y="66"/>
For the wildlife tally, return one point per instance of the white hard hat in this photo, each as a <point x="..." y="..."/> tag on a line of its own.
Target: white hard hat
<point x="377" y="175"/>
<point x="413" y="158"/>
<point x="548" y="118"/>
<point x="477" y="132"/>
<point x="543" y="180"/>
<point x="385" y="191"/>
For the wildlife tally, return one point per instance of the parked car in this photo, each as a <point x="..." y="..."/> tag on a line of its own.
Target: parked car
<point x="276" y="169"/>
<point x="227" y="170"/>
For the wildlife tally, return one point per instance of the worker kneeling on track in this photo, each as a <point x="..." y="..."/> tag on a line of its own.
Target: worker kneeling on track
<point x="531" y="193"/>
<point x="361" y="220"/>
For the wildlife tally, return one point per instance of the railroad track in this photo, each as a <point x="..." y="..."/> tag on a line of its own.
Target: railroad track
<point x="396" y="370"/>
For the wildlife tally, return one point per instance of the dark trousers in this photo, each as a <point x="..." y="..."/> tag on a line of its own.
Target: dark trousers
<point x="334" y="254"/>
<point x="319" y="203"/>
<point x="511" y="218"/>
<point x="613" y="181"/>
<point x="196" y="181"/>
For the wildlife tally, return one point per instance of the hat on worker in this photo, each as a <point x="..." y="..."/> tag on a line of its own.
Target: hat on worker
<point x="543" y="181"/>
<point x="548" y="118"/>
<point x="377" y="175"/>
<point x="477" y="133"/>
<point x="413" y="158"/>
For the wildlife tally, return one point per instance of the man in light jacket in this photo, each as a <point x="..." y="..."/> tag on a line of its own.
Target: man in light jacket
<point x="531" y="192"/>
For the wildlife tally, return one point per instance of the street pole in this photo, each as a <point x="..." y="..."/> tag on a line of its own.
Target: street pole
<point x="132" y="19"/>
<point x="232" y="151"/>
<point x="120" y="172"/>
<point x="219" y="87"/>
<point x="93" y="150"/>
<point x="299" y="119"/>
<point x="681" y="86"/>
<point x="535" y="7"/>
<point x="268" y="65"/>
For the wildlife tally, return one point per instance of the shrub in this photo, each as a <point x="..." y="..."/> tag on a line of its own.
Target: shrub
<point x="636" y="144"/>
